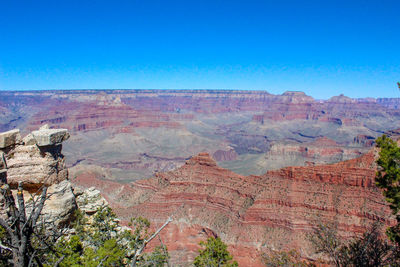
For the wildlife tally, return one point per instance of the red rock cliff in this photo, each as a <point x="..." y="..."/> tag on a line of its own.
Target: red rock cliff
<point x="254" y="213"/>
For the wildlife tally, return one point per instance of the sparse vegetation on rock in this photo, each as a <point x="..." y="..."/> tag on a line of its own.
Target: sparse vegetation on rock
<point x="38" y="226"/>
<point x="91" y="240"/>
<point x="371" y="249"/>
<point x="214" y="254"/>
<point x="101" y="241"/>
<point x="289" y="258"/>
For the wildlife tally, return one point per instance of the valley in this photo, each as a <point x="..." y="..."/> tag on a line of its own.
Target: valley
<point x="258" y="170"/>
<point x="133" y="134"/>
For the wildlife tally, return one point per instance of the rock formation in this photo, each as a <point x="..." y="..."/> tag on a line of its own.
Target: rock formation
<point x="134" y="133"/>
<point x="251" y="214"/>
<point x="36" y="161"/>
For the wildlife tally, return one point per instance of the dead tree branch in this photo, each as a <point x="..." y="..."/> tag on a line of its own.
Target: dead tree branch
<point x="19" y="228"/>
<point x="146" y="241"/>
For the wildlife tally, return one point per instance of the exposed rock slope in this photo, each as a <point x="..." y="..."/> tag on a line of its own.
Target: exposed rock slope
<point x="276" y="210"/>
<point x="135" y="133"/>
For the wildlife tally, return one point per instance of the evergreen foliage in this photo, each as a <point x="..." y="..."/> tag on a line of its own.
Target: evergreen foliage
<point x="101" y="243"/>
<point x="369" y="250"/>
<point x="284" y="258"/>
<point x="214" y="254"/>
<point x="388" y="178"/>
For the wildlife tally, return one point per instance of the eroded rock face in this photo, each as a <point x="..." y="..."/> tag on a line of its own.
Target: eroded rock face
<point x="60" y="205"/>
<point x="50" y="137"/>
<point x="135" y="133"/>
<point x="27" y="161"/>
<point x="36" y="159"/>
<point x="251" y="214"/>
<point x="9" y="138"/>
<point x="90" y="200"/>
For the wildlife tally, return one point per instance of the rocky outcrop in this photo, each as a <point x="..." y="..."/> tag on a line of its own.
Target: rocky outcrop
<point x="321" y="151"/>
<point x="252" y="214"/>
<point x="36" y="159"/>
<point x="364" y="140"/>
<point x="50" y="137"/>
<point x="9" y="138"/>
<point x="90" y="200"/>
<point x="60" y="204"/>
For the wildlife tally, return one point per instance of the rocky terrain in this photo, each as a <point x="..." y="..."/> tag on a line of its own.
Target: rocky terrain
<point x="252" y="214"/>
<point x="132" y="134"/>
<point x="36" y="161"/>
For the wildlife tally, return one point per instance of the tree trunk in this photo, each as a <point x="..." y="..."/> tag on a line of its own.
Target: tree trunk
<point x="19" y="259"/>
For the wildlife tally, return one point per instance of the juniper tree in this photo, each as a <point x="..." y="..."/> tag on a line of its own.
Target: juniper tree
<point x="214" y="254"/>
<point x="388" y="178"/>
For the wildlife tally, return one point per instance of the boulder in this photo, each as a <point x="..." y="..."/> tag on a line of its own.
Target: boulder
<point x="35" y="166"/>
<point x="29" y="140"/>
<point x="35" y="160"/>
<point x="48" y="137"/>
<point x="60" y="205"/>
<point x="9" y="138"/>
<point x="91" y="200"/>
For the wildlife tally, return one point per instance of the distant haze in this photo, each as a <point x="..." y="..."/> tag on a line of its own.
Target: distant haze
<point x="323" y="48"/>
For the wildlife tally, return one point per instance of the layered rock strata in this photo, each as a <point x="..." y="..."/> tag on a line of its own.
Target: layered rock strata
<point x="135" y="133"/>
<point x="252" y="214"/>
<point x="36" y="159"/>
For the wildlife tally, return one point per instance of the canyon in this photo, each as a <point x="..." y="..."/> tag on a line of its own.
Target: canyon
<point x="132" y="134"/>
<point x="258" y="170"/>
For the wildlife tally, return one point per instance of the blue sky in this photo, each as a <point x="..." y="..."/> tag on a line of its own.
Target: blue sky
<point x="323" y="47"/>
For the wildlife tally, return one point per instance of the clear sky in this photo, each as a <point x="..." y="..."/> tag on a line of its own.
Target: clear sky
<point x="321" y="47"/>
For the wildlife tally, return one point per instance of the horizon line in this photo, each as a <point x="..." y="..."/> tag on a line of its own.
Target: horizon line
<point x="197" y="90"/>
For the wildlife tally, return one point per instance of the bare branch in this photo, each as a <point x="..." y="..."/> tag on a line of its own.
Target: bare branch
<point x="59" y="261"/>
<point x="31" y="259"/>
<point x="4" y="247"/>
<point x="37" y="210"/>
<point x="10" y="202"/>
<point x="158" y="231"/>
<point x="102" y="261"/>
<point x="164" y="250"/>
<point x="21" y="204"/>
<point x="145" y="242"/>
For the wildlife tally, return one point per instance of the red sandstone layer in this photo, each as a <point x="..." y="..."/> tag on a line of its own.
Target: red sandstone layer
<point x="252" y="213"/>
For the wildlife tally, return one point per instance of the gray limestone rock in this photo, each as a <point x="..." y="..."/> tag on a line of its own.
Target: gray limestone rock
<point x="61" y="203"/>
<point x="29" y="140"/>
<point x="35" y="166"/>
<point x="9" y="138"/>
<point x="44" y="127"/>
<point x="47" y="137"/>
<point x="37" y="159"/>
<point x="3" y="163"/>
<point x="91" y="200"/>
<point x="58" y="208"/>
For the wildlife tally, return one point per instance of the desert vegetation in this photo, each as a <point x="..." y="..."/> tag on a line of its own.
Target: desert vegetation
<point x="214" y="254"/>
<point x="27" y="239"/>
